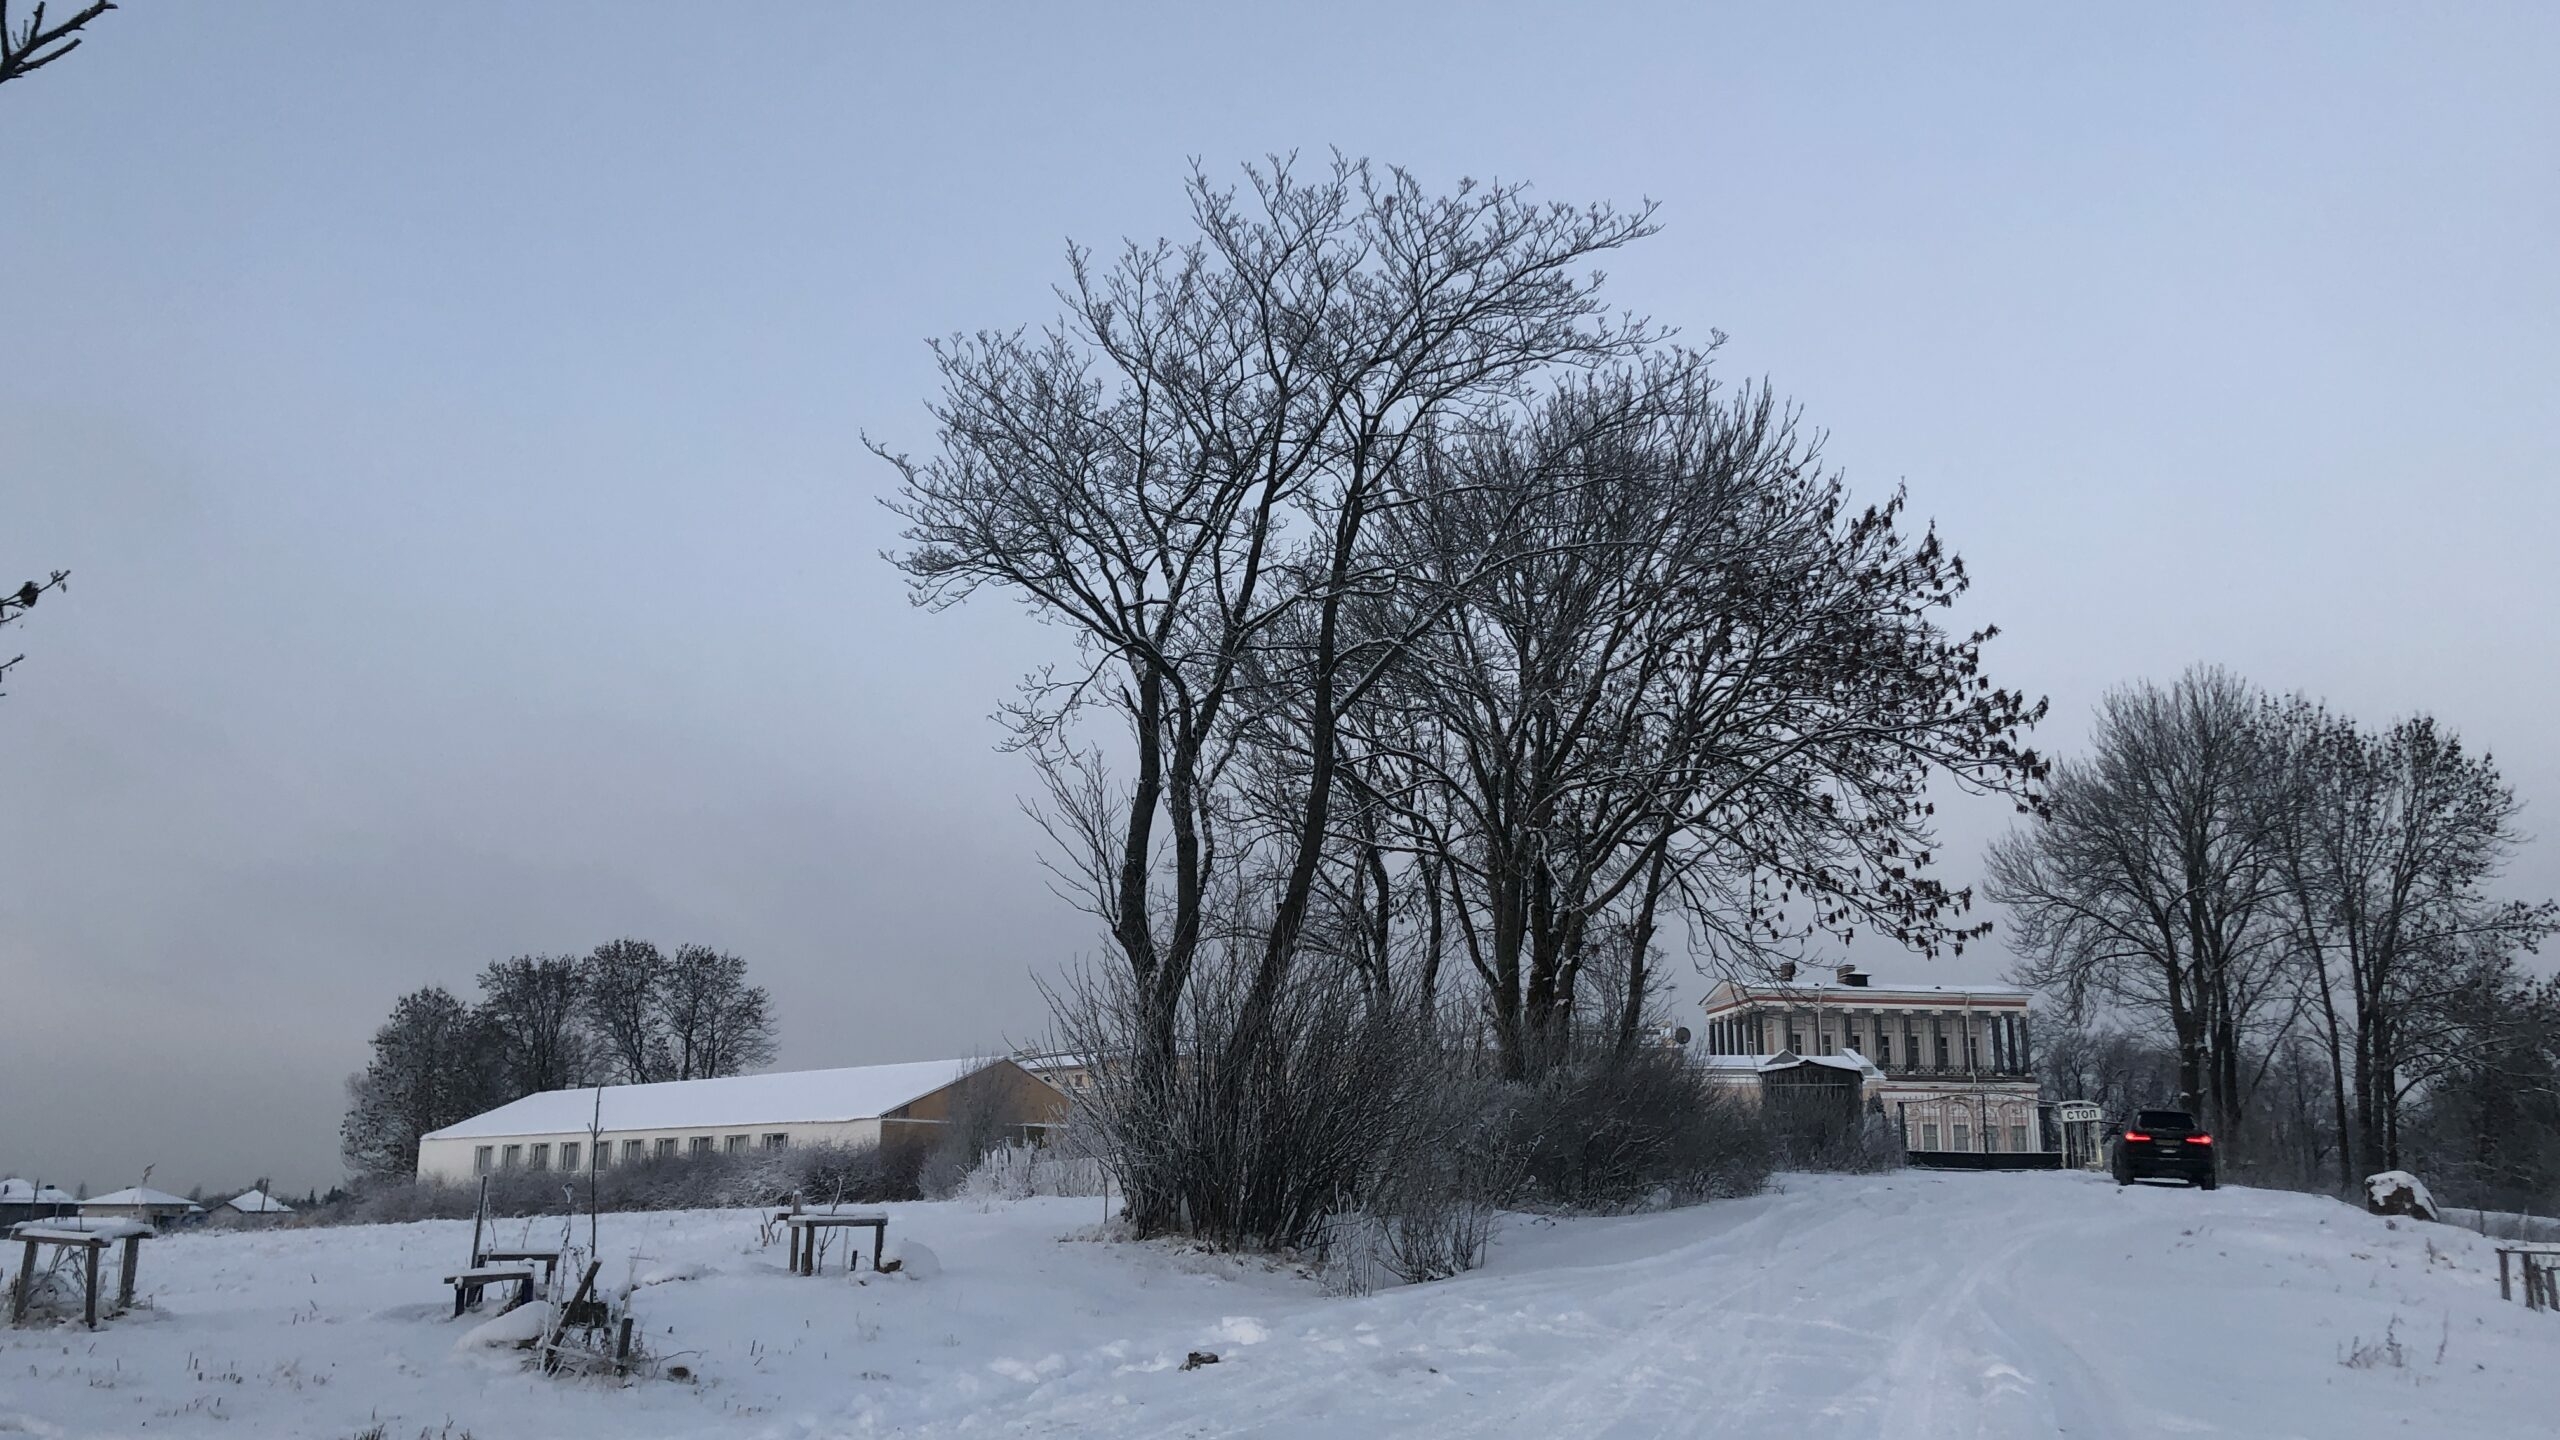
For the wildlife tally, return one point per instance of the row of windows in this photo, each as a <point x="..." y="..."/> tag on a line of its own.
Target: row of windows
<point x="1915" y="1049"/>
<point x="538" y="1156"/>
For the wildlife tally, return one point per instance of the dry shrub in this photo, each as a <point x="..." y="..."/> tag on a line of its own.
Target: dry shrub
<point x="1607" y="1130"/>
<point x="1258" y="1134"/>
<point x="1346" y="1129"/>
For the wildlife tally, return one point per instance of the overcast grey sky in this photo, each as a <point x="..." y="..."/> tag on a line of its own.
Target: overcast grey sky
<point x="450" y="414"/>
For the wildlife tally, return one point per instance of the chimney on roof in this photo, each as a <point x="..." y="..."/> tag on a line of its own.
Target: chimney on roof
<point x="1786" y="972"/>
<point x="1848" y="974"/>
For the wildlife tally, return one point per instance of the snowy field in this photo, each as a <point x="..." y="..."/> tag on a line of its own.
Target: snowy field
<point x="1904" y="1305"/>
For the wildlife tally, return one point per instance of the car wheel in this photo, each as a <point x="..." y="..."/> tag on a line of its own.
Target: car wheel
<point x="2206" y="1183"/>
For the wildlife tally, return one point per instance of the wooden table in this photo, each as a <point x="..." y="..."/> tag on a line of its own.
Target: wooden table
<point x="804" y="1238"/>
<point x="89" y="1237"/>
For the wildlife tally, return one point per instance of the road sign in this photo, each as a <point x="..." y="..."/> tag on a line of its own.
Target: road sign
<point x="2075" y="1112"/>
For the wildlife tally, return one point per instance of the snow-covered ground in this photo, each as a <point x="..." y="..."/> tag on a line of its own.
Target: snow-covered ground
<point x="1901" y="1305"/>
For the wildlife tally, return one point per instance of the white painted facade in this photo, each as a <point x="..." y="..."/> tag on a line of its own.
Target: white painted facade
<point x="732" y="1115"/>
<point x="449" y="1157"/>
<point x="1951" y="1064"/>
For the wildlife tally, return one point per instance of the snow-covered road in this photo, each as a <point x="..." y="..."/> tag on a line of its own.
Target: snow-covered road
<point x="1908" y="1305"/>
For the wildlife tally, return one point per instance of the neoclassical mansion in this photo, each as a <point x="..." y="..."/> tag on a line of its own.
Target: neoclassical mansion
<point x="1950" y="1064"/>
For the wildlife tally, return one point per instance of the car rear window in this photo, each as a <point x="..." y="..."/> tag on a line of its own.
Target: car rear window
<point x="2166" y="1120"/>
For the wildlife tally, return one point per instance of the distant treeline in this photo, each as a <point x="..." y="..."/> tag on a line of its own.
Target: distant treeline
<point x="624" y="1013"/>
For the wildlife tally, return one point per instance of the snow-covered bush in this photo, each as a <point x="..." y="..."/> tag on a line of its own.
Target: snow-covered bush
<point x="1017" y="1172"/>
<point x="2397" y="1192"/>
<point x="819" y="1174"/>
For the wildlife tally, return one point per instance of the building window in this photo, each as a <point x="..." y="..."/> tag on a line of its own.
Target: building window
<point x="1884" y="1048"/>
<point x="1972" y="1051"/>
<point x="700" y="1146"/>
<point x="508" y="1158"/>
<point x="632" y="1150"/>
<point x="569" y="1156"/>
<point x="667" y="1148"/>
<point x="1991" y="1138"/>
<point x="1795" y="1043"/>
<point x="1825" y="1039"/>
<point x="777" y="1140"/>
<point x="1942" y="1050"/>
<point x="1929" y="1135"/>
<point x="735" y="1145"/>
<point x="1963" y="1135"/>
<point x="604" y="1154"/>
<point x="482" y="1158"/>
<point x="2018" y="1138"/>
<point x="539" y="1158"/>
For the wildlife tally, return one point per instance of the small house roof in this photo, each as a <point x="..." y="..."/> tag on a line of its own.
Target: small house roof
<point x="257" y="1202"/>
<point x="860" y="1092"/>
<point x="1846" y="1060"/>
<point x="143" y="1196"/>
<point x="14" y="1191"/>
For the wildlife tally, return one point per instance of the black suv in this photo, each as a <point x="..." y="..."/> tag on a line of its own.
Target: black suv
<point x="2164" y="1145"/>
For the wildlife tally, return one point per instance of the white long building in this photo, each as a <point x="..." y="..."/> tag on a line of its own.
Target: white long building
<point x="626" y="1124"/>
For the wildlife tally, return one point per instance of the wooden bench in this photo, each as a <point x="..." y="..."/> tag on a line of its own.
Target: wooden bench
<point x="549" y="1260"/>
<point x="2540" y="1265"/>
<point x="468" y="1284"/>
<point x="804" y="1238"/>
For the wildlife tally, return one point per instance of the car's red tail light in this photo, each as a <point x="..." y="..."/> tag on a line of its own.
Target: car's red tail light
<point x="2199" y="1139"/>
<point x="2137" y="1135"/>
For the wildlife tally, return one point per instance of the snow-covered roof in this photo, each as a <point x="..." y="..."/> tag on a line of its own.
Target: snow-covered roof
<point x="98" y="1228"/>
<point x="1873" y="992"/>
<point x="257" y="1202"/>
<point x="142" y="1196"/>
<point x="785" y="1097"/>
<point x="14" y="1191"/>
<point x="1845" y="1060"/>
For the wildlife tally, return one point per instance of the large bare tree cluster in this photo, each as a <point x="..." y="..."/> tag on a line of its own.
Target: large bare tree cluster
<point x="625" y="1013"/>
<point x="1438" y="645"/>
<point x="2278" y="892"/>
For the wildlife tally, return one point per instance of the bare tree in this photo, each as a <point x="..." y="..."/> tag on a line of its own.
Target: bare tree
<point x="2386" y="844"/>
<point x="24" y="49"/>
<point x="713" y="1021"/>
<point x="2148" y="884"/>
<point x="23" y="599"/>
<point x="621" y="981"/>
<point x="1668" y="667"/>
<point x="1182" y="471"/>
<point x="536" y="1009"/>
<point x="29" y="47"/>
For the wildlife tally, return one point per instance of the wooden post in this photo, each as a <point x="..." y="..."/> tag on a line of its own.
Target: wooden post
<point x="2506" y="1291"/>
<point x="26" y="1283"/>
<point x="89" y="1312"/>
<point x="879" y="1236"/>
<point x="622" y="1346"/>
<point x="124" y="1280"/>
<point x="477" y="1217"/>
